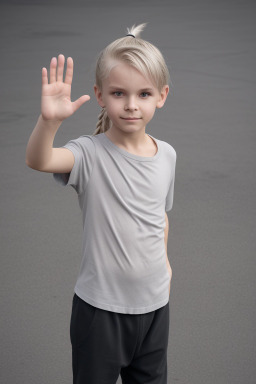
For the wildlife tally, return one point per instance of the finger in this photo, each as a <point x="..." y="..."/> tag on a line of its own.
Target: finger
<point x="77" y="104"/>
<point x="69" y="71"/>
<point x="61" y="61"/>
<point x="44" y="76"/>
<point x="53" y="66"/>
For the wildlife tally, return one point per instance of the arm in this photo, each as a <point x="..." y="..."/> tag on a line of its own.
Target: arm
<point x="41" y="156"/>
<point x="55" y="107"/>
<point x="166" y="231"/>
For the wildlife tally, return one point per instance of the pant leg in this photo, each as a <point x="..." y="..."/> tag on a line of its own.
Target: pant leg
<point x="102" y="342"/>
<point x="149" y="363"/>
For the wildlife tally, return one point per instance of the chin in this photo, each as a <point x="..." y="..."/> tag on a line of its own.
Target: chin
<point x="130" y="129"/>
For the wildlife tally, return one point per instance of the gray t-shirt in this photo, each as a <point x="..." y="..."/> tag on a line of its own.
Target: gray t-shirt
<point x="123" y="198"/>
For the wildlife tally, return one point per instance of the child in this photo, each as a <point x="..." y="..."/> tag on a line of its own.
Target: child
<point x="124" y="179"/>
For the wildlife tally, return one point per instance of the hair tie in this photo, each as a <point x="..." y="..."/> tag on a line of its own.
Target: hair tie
<point x="129" y="34"/>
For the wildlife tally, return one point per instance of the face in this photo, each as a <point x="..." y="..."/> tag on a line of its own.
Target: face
<point x="129" y="98"/>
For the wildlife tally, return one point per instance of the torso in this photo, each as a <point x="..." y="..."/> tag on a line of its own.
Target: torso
<point x="150" y="149"/>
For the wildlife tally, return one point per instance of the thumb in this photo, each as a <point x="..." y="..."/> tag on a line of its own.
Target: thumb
<point x="77" y="104"/>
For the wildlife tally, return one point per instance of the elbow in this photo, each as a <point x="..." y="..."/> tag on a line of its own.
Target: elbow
<point x="27" y="163"/>
<point x="30" y="165"/>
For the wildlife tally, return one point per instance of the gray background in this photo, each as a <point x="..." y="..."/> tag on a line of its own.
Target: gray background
<point x="209" y="118"/>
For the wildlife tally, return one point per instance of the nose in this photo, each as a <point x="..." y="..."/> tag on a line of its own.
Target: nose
<point x="131" y="104"/>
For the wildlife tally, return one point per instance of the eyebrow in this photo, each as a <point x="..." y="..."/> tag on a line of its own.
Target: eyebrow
<point x="143" y="89"/>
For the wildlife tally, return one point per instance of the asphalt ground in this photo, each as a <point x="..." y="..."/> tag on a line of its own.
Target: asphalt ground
<point x="209" y="118"/>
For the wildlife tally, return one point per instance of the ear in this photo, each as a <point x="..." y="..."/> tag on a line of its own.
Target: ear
<point x="163" y="96"/>
<point x="98" y="95"/>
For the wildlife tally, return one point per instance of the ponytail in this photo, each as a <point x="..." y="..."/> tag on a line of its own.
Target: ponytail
<point x="104" y="122"/>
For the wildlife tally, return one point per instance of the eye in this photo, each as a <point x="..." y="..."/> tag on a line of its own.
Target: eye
<point x="118" y="94"/>
<point x="145" y="93"/>
<point x="114" y="93"/>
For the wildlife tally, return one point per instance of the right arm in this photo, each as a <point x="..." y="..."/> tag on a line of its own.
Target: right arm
<point x="40" y="154"/>
<point x="55" y="107"/>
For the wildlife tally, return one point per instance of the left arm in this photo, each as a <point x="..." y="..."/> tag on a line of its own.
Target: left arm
<point x="166" y="231"/>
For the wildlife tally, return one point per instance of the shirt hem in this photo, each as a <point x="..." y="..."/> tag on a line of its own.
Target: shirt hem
<point x="121" y="309"/>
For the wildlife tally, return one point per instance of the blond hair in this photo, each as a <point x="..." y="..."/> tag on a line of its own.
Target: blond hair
<point x="138" y="53"/>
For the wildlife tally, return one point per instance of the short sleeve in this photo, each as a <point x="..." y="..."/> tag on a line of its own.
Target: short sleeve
<point x="83" y="150"/>
<point x="170" y="193"/>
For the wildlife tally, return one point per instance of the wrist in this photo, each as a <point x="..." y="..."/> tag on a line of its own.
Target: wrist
<point x="49" y="121"/>
<point x="51" y="124"/>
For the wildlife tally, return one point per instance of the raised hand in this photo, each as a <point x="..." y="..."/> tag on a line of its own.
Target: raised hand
<point x="56" y="104"/>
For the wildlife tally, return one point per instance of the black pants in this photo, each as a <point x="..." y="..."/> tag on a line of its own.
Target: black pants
<point x="106" y="344"/>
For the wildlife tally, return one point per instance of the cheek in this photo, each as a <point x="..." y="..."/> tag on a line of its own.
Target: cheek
<point x="150" y="110"/>
<point x="113" y="107"/>
<point x="112" y="110"/>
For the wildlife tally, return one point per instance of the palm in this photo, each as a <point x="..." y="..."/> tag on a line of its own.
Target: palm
<point x="56" y="103"/>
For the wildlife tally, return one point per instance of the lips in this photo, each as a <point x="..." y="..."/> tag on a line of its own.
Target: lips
<point x="130" y="118"/>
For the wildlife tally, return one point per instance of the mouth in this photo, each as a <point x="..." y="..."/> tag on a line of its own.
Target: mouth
<point x="131" y="118"/>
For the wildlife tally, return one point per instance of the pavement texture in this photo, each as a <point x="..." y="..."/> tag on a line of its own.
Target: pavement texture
<point x="209" y="118"/>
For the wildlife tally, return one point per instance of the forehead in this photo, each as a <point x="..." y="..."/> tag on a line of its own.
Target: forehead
<point x="125" y="76"/>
